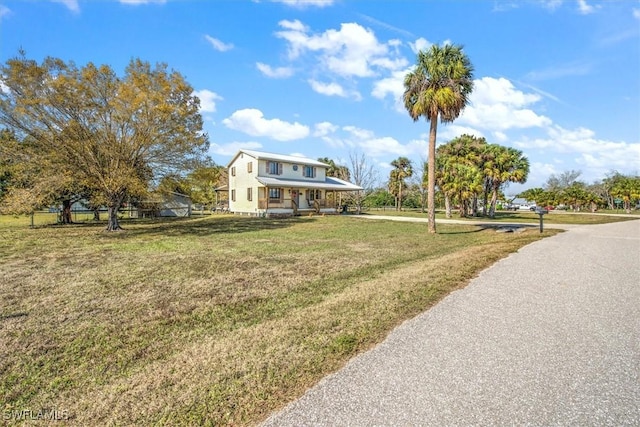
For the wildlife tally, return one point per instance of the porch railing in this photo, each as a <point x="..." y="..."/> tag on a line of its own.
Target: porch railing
<point x="290" y="204"/>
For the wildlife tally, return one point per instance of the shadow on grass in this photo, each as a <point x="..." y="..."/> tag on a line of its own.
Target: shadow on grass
<point x="203" y="226"/>
<point x="499" y="228"/>
<point x="228" y="224"/>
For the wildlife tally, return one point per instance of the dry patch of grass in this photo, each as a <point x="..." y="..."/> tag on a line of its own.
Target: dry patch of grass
<point x="212" y="321"/>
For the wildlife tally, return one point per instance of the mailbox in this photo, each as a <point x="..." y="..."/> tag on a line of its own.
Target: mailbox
<point x="541" y="211"/>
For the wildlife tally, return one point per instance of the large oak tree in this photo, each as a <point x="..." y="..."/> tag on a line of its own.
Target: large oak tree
<point x="110" y="134"/>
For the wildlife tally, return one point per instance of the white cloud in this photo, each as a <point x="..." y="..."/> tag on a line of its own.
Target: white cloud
<point x="378" y="147"/>
<point x="4" y="11"/>
<point x="276" y="73"/>
<point x="636" y="13"/>
<point x="597" y="156"/>
<point x="324" y="129"/>
<point x="207" y="100"/>
<point x="72" y="5"/>
<point x="551" y="4"/>
<point x="301" y="4"/>
<point x="373" y="145"/>
<point x="496" y="105"/>
<point x="351" y="51"/>
<point x="3" y="87"/>
<point x="358" y="132"/>
<point x="252" y="122"/>
<point x="217" y="44"/>
<point x="394" y="86"/>
<point x="420" y="44"/>
<point x="584" y="8"/>
<point x="137" y="2"/>
<point x="332" y="89"/>
<point x="232" y="148"/>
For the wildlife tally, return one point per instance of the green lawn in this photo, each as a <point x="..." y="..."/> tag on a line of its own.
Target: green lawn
<point x="212" y="321"/>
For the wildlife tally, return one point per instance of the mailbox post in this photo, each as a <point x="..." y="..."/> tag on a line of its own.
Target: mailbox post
<point x="541" y="212"/>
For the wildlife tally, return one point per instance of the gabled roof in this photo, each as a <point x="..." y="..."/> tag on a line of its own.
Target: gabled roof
<point x="259" y="155"/>
<point x="330" y="183"/>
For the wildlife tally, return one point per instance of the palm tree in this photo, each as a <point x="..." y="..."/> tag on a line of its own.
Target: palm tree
<point x="335" y="170"/>
<point x="402" y="169"/>
<point x="458" y="172"/>
<point x="438" y="87"/>
<point x="503" y="165"/>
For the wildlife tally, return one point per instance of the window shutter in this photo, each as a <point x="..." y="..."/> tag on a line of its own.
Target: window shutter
<point x="279" y="168"/>
<point x="314" y="172"/>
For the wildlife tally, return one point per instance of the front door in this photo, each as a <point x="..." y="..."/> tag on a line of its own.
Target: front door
<point x="295" y="198"/>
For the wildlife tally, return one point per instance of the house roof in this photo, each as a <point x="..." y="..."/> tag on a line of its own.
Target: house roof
<point x="330" y="183"/>
<point x="279" y="158"/>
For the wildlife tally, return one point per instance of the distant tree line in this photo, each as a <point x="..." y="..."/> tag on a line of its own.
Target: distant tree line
<point x="615" y="191"/>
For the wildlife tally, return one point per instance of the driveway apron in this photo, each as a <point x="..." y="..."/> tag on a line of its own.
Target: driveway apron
<point x="549" y="335"/>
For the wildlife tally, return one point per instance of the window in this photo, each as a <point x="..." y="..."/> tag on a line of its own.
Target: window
<point x="250" y="167"/>
<point x="314" y="194"/>
<point x="249" y="194"/>
<point x="233" y="195"/>
<point x="233" y="171"/>
<point x="309" y="172"/>
<point x="275" y="194"/>
<point x="274" y="168"/>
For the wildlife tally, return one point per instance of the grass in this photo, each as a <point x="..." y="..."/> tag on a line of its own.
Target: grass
<point x="212" y="321"/>
<point x="555" y="217"/>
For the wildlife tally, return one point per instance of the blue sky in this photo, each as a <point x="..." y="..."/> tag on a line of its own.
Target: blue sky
<point x="559" y="80"/>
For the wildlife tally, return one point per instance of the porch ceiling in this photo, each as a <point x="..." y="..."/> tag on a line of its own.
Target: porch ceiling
<point x="329" y="183"/>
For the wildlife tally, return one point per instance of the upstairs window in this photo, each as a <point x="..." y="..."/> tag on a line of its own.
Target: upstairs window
<point x="249" y="167"/>
<point x="309" y="172"/>
<point x="274" y="168"/>
<point x="233" y="171"/>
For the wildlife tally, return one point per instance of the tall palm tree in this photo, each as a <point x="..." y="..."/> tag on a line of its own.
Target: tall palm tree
<point x="438" y="87"/>
<point x="402" y="169"/>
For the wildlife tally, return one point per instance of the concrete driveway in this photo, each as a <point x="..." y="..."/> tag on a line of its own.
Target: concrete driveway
<point x="547" y="336"/>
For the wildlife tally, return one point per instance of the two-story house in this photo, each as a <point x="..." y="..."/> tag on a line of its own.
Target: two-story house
<point x="274" y="184"/>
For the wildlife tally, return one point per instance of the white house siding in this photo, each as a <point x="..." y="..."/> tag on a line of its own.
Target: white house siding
<point x="242" y="181"/>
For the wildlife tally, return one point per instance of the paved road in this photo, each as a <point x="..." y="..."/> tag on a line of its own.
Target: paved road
<point x="547" y="336"/>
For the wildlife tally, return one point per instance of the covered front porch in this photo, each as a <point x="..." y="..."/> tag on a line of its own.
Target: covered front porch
<point x="296" y="201"/>
<point x="295" y="197"/>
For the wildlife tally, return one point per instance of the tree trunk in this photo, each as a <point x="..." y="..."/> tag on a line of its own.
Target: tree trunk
<point x="486" y="196"/>
<point x="66" y="212"/>
<point x="474" y="206"/>
<point x="96" y="214"/>
<point x="447" y="206"/>
<point x="112" y="209"/>
<point x="431" y="173"/>
<point x="494" y="200"/>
